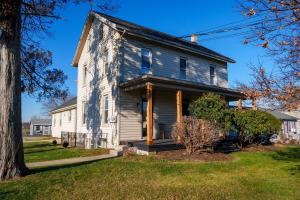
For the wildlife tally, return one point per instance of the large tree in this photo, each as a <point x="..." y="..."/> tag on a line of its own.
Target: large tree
<point x="279" y="34"/>
<point x="26" y="66"/>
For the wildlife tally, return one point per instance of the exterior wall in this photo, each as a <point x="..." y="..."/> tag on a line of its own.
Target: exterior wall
<point x="98" y="84"/>
<point x="297" y="115"/>
<point x="164" y="113"/>
<point x="165" y="63"/>
<point x="61" y="122"/>
<point x="43" y="129"/>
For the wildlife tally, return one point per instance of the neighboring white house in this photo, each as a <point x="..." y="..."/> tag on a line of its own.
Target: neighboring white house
<point x="290" y="124"/>
<point x="64" y="118"/>
<point x="40" y="127"/>
<point x="134" y="83"/>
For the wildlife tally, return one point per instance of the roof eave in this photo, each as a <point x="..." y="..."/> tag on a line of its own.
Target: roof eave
<point x="82" y="39"/>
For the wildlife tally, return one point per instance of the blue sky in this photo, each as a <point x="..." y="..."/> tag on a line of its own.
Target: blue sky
<point x="170" y="16"/>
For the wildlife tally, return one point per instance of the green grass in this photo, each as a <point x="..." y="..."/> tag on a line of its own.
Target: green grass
<point x="43" y="151"/>
<point x="251" y="175"/>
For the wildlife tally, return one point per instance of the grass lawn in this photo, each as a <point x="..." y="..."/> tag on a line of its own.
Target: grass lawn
<point x="251" y="175"/>
<point x="43" y="151"/>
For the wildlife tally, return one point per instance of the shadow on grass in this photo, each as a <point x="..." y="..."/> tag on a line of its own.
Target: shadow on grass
<point x="42" y="150"/>
<point x="58" y="167"/>
<point x="288" y="154"/>
<point x="32" y="146"/>
<point x="3" y="194"/>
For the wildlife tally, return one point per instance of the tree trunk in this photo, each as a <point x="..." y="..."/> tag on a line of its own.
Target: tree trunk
<point x="11" y="144"/>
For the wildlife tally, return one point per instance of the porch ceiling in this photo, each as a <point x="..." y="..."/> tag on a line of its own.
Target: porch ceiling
<point x="175" y="84"/>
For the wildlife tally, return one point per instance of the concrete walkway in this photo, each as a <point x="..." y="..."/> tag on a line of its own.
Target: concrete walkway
<point x="69" y="161"/>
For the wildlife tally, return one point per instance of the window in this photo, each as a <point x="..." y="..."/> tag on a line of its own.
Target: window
<point x="37" y="128"/>
<point x="105" y="109"/>
<point x="105" y="62"/>
<point x="84" y="74"/>
<point x="183" y="68"/>
<point x="70" y="115"/>
<point x="54" y="120"/>
<point x="60" y="119"/>
<point x="212" y="75"/>
<point x="101" y="32"/>
<point x="146" y="60"/>
<point x="84" y="112"/>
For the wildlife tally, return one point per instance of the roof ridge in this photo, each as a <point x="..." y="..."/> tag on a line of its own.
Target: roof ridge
<point x="195" y="45"/>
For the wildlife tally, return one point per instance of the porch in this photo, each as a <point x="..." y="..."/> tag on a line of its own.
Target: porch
<point x="180" y="93"/>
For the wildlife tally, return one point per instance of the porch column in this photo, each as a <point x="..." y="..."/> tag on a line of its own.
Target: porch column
<point x="179" y="110"/>
<point x="179" y="106"/>
<point x="254" y="104"/>
<point x="240" y="104"/>
<point x="149" y="114"/>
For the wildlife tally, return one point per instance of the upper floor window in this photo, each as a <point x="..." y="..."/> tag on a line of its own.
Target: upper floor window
<point x="105" y="62"/>
<point x="183" y="65"/>
<point x="54" y="120"/>
<point x="60" y="119"/>
<point x="101" y="31"/>
<point x="212" y="75"/>
<point x="84" y="112"/>
<point x="105" y="109"/>
<point x="84" y="74"/>
<point x="70" y="115"/>
<point x="146" y="60"/>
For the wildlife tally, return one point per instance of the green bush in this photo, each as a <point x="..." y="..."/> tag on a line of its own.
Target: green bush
<point x="213" y="108"/>
<point x="251" y="123"/>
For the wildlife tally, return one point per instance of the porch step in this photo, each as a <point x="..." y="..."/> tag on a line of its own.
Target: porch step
<point x="158" y="145"/>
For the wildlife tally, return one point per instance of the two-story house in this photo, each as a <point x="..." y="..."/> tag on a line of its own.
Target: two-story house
<point x="134" y="83"/>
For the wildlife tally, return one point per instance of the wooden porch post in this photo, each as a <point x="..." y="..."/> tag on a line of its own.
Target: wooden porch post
<point x="179" y="106"/>
<point x="179" y="110"/>
<point x="240" y="104"/>
<point x="254" y="104"/>
<point x="149" y="114"/>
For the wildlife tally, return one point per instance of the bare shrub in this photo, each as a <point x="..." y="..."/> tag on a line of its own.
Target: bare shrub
<point x="195" y="134"/>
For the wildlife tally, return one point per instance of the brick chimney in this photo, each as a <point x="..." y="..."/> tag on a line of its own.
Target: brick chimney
<point x="194" y="38"/>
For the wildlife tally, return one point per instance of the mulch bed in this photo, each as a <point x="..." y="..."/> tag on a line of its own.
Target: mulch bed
<point x="261" y="148"/>
<point x="197" y="156"/>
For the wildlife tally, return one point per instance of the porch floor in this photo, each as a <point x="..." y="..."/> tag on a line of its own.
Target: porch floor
<point x="158" y="145"/>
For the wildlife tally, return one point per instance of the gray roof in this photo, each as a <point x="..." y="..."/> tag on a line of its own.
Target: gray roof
<point x="282" y="116"/>
<point x="41" y="121"/>
<point x="160" y="37"/>
<point x="71" y="102"/>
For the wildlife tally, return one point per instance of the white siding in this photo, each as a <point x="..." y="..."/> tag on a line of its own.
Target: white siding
<point x="98" y="84"/>
<point x="130" y="116"/>
<point x="165" y="63"/>
<point x="66" y="125"/>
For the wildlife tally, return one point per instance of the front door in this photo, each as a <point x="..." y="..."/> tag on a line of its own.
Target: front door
<point x="144" y="117"/>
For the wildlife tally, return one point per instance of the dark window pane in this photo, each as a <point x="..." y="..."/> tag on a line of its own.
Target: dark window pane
<point x="146" y="56"/>
<point x="182" y="68"/>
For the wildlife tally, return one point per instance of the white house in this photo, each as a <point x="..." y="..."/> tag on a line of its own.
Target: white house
<point x="64" y="118"/>
<point x="134" y="83"/>
<point x="40" y="127"/>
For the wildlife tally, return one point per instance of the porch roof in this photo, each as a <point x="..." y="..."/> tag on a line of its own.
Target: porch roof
<point x="175" y="84"/>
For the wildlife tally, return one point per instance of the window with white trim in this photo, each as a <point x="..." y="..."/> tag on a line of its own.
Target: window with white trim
<point x="84" y="112"/>
<point x="212" y="75"/>
<point x="70" y="115"/>
<point x="183" y="65"/>
<point x="146" y="60"/>
<point x="105" y="63"/>
<point x="84" y="74"/>
<point x="105" y="111"/>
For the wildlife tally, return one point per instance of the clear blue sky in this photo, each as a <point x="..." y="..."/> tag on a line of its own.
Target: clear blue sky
<point x="170" y="16"/>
